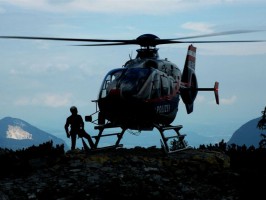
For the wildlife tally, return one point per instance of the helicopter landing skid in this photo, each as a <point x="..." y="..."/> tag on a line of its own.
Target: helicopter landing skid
<point x="170" y="144"/>
<point x="176" y="141"/>
<point x="100" y="135"/>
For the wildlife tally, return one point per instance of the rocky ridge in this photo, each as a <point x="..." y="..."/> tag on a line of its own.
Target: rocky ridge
<point x="137" y="173"/>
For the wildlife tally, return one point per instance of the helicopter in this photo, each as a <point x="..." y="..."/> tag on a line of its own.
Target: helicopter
<point x="145" y="92"/>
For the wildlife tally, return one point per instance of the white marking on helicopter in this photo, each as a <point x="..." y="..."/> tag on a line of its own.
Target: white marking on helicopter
<point x="163" y="108"/>
<point x="191" y="53"/>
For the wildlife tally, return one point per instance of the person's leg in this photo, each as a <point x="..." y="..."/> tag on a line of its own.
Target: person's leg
<point x="73" y="141"/>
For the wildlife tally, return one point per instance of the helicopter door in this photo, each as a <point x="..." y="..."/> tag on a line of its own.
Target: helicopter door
<point x="165" y="86"/>
<point x="156" y="89"/>
<point x="110" y="82"/>
<point x="106" y="82"/>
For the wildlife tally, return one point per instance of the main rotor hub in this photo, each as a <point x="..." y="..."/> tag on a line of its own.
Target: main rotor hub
<point x="147" y="40"/>
<point x="147" y="53"/>
<point x="147" y="43"/>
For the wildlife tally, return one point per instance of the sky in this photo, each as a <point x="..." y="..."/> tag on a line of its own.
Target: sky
<point x="40" y="80"/>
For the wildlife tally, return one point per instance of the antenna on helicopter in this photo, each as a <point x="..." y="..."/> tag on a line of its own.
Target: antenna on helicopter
<point x="130" y="55"/>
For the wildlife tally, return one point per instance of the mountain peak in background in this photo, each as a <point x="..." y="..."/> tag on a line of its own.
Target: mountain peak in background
<point x="248" y="134"/>
<point x="17" y="134"/>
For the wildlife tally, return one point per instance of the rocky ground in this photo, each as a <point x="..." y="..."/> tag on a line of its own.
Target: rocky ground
<point x="139" y="173"/>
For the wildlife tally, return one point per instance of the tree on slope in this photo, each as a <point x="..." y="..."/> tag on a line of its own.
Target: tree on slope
<point x="262" y="126"/>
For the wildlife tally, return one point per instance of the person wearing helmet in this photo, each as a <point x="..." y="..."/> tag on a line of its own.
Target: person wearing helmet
<point x="76" y="124"/>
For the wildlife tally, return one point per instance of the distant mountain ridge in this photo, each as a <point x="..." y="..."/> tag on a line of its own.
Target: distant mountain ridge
<point x="247" y="134"/>
<point x="18" y="134"/>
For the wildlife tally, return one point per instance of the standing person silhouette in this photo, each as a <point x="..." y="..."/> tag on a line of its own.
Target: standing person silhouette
<point x="76" y="124"/>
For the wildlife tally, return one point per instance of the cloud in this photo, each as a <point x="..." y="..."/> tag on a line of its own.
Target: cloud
<point x="156" y="7"/>
<point x="233" y="49"/>
<point x="198" y="27"/>
<point x="200" y="98"/>
<point x="224" y="101"/>
<point x="41" y="44"/>
<point x="46" y="99"/>
<point x="254" y="45"/>
<point x="40" y="69"/>
<point x="2" y="10"/>
<point x="228" y="101"/>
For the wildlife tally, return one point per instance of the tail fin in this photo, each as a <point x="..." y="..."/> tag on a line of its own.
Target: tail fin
<point x="191" y="58"/>
<point x="189" y="79"/>
<point x="216" y="85"/>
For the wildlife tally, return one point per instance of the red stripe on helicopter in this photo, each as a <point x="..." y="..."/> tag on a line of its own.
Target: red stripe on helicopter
<point x="191" y="58"/>
<point x="163" y="98"/>
<point x="158" y="99"/>
<point x="191" y="54"/>
<point x="192" y="48"/>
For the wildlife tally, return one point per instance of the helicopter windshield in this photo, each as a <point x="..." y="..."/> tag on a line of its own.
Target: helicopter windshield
<point x="140" y="83"/>
<point x="133" y="80"/>
<point x="110" y="82"/>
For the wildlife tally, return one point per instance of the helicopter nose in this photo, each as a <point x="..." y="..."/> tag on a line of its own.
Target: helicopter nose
<point x="114" y="92"/>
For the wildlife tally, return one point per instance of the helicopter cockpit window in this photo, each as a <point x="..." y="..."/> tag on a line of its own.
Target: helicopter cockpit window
<point x="113" y="81"/>
<point x="116" y="75"/>
<point x="133" y="80"/>
<point x="110" y="82"/>
<point x="105" y="84"/>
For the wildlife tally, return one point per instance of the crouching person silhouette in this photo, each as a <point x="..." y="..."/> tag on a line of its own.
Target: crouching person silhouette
<point x="76" y="124"/>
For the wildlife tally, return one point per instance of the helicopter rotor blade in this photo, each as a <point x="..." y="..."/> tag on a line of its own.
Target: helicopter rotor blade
<point x="218" y="34"/>
<point x="65" y="39"/>
<point x="143" y="40"/>
<point x="217" y="41"/>
<point x="104" y="44"/>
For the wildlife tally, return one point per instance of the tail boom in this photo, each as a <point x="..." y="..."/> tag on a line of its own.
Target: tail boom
<point x="215" y="89"/>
